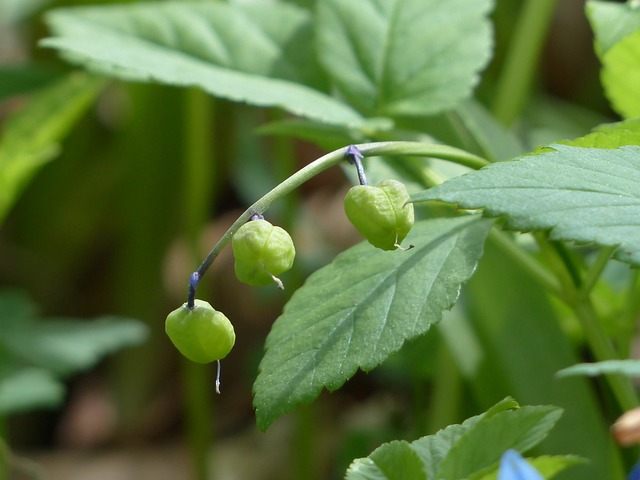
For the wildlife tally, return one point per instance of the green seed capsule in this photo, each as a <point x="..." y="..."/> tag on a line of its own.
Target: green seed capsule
<point x="262" y="251"/>
<point x="201" y="333"/>
<point x="381" y="214"/>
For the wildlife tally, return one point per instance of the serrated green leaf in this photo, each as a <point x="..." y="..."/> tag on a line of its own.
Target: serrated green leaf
<point x="607" y="135"/>
<point x="629" y="368"/>
<point x="580" y="194"/>
<point x="611" y="22"/>
<point x="242" y="53"/>
<point x="632" y="125"/>
<point x="64" y="346"/>
<point x="404" y="57"/>
<point x="489" y="438"/>
<point x="621" y="75"/>
<point x="609" y="139"/>
<point x="23" y="389"/>
<point x="432" y="449"/>
<point x="30" y="137"/>
<point x="392" y="461"/>
<point x="361" y="308"/>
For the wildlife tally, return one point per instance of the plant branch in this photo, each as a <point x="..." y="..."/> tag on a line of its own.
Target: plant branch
<point x="590" y="280"/>
<point x="603" y="350"/>
<point x="583" y="308"/>
<point x="331" y="159"/>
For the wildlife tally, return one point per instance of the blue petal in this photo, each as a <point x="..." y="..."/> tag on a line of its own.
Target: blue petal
<point x="514" y="467"/>
<point x="635" y="472"/>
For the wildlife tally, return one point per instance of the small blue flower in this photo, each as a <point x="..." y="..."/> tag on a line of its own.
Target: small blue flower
<point x="514" y="467"/>
<point x="635" y="472"/>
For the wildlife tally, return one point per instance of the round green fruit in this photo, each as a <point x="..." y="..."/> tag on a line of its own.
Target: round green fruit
<point x="381" y="214"/>
<point x="201" y="333"/>
<point x="262" y="251"/>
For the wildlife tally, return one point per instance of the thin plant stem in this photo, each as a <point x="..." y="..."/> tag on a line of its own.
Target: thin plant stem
<point x="603" y="350"/>
<point x="592" y="276"/>
<point x="514" y="84"/>
<point x="331" y="159"/>
<point x="597" y="339"/>
<point x="630" y="312"/>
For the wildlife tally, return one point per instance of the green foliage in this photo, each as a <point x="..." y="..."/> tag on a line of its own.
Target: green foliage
<point x="611" y="22"/>
<point x="467" y="450"/>
<point x="356" y="71"/>
<point x="37" y="353"/>
<point x="617" y="43"/>
<point x="30" y="138"/>
<point x="590" y="198"/>
<point x="403" y="57"/>
<point x="238" y="53"/>
<point x="621" y="75"/>
<point x="348" y="310"/>
<point x="630" y="368"/>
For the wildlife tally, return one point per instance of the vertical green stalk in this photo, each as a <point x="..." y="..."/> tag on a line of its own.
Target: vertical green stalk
<point x="198" y="191"/>
<point x="582" y="306"/>
<point x="630" y="313"/>
<point x="514" y="83"/>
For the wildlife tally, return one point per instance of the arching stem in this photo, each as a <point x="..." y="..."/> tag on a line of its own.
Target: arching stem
<point x="394" y="149"/>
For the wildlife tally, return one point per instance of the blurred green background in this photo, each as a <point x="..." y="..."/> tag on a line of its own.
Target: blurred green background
<point x="146" y="182"/>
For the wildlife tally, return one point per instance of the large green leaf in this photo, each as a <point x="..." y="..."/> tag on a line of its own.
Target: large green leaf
<point x="404" y="57"/>
<point x="469" y="450"/>
<point x="30" y="137"/>
<point x="361" y="308"/>
<point x="485" y="442"/>
<point x="580" y="194"/>
<point x="621" y="75"/>
<point x="256" y="53"/>
<point x="433" y="449"/>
